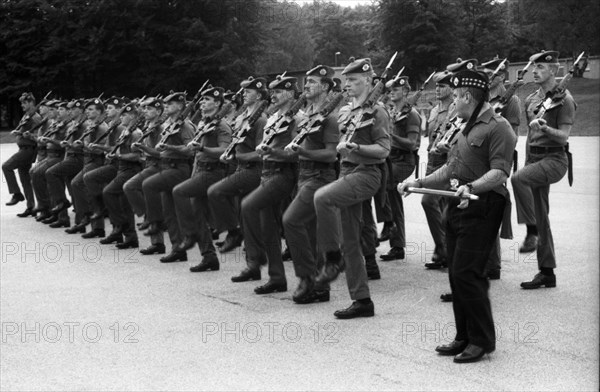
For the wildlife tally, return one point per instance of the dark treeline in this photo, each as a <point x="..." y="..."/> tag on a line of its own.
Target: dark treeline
<point x="133" y="47"/>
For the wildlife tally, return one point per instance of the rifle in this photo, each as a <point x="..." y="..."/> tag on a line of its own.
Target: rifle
<point x="196" y="99"/>
<point x="242" y="127"/>
<point x="362" y="115"/>
<point x="315" y="121"/>
<point x="554" y="97"/>
<point x="91" y="129"/>
<point x="412" y="101"/>
<point x="453" y="127"/>
<point x="71" y="131"/>
<point x="175" y="126"/>
<point x="125" y="134"/>
<point x="282" y="123"/>
<point x="204" y="128"/>
<point x="501" y="104"/>
<point x="27" y="116"/>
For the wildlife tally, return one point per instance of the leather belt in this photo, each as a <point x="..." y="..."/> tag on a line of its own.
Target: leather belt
<point x="209" y="166"/>
<point x="398" y="151"/>
<point x="546" y="150"/>
<point x="74" y="153"/>
<point x="315" y="165"/>
<point x="271" y="165"/>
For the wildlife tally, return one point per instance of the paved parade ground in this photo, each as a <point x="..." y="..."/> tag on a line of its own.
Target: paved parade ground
<point x="76" y="315"/>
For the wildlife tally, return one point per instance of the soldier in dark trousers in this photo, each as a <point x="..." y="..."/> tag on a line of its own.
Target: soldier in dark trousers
<point x="24" y="158"/>
<point x="261" y="209"/>
<point x="48" y="111"/>
<point x="95" y="180"/>
<point x="479" y="165"/>
<point x="153" y="109"/>
<point x="129" y="164"/>
<point x="547" y="162"/>
<point x="191" y="199"/>
<point x="61" y="174"/>
<point x="317" y="160"/>
<point x="406" y="138"/>
<point x="363" y="149"/>
<point x="174" y="168"/>
<point x="223" y="196"/>
<point x="92" y="159"/>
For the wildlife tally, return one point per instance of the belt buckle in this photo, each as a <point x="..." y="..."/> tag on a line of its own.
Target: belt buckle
<point x="454" y="184"/>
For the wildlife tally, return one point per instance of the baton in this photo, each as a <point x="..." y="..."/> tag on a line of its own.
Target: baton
<point x="427" y="191"/>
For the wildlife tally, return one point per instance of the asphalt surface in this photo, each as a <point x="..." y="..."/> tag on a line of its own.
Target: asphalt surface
<point x="76" y="315"/>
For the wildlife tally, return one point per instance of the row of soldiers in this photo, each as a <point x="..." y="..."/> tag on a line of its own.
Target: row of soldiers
<point x="277" y="162"/>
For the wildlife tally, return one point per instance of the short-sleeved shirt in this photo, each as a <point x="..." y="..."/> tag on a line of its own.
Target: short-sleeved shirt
<point x="279" y="140"/>
<point x="112" y="138"/>
<point x="27" y="123"/>
<point x="372" y="129"/>
<point x="561" y="115"/>
<point x="78" y="127"/>
<point x="98" y="132"/>
<point x="436" y="124"/>
<point x="512" y="110"/>
<point x="488" y="145"/>
<point x="219" y="136"/>
<point x="61" y="129"/>
<point x="133" y="137"/>
<point x="154" y="137"/>
<point x="411" y="123"/>
<point x="329" y="133"/>
<point x="253" y="137"/>
<point x="181" y="138"/>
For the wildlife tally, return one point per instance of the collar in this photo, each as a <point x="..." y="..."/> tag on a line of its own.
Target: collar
<point x="485" y="116"/>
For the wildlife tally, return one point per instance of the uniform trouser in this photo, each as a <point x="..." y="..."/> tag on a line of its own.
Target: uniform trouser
<point x="383" y="208"/>
<point x="224" y="196"/>
<point x="345" y="197"/>
<point x="300" y="222"/>
<point x="135" y="196"/>
<point x="39" y="182"/>
<point x="531" y="186"/>
<point x="21" y="161"/>
<point x="158" y="191"/>
<point x="261" y="211"/>
<point x="191" y="206"/>
<point x="368" y="232"/>
<point x="434" y="206"/>
<point x="120" y="212"/>
<point x="95" y="180"/>
<point x="80" y="194"/>
<point x="470" y="235"/>
<point x="60" y="175"/>
<point x="401" y="170"/>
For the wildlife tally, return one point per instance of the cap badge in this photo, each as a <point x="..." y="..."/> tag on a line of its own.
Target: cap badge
<point x="469" y="65"/>
<point x="323" y="71"/>
<point x="365" y="67"/>
<point x="548" y="58"/>
<point x="259" y="84"/>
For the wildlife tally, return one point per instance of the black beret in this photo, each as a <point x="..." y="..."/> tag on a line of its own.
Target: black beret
<point x="463" y="65"/>
<point x="214" y="92"/>
<point x="401" y="81"/>
<point x="358" y="66"/>
<point x="117" y="102"/>
<point x="77" y="104"/>
<point x="175" y="97"/>
<point x="322" y="71"/>
<point x="283" y="83"/>
<point x="254" y="83"/>
<point x="96" y="102"/>
<point x="129" y="108"/>
<point x="27" y="97"/>
<point x="62" y="104"/>
<point x="545" y="56"/>
<point x="442" y="77"/>
<point x="475" y="79"/>
<point x="154" y="102"/>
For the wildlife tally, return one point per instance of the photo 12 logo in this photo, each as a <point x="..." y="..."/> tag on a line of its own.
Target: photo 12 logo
<point x="69" y="331"/>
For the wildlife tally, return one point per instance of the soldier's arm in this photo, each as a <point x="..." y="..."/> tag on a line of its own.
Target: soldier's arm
<point x="380" y="149"/>
<point x="565" y="118"/>
<point x="223" y="139"/>
<point x="413" y="128"/>
<point x="133" y="156"/>
<point x="331" y="135"/>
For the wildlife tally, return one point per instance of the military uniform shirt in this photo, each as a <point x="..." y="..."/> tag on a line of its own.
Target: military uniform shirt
<point x="410" y="124"/>
<point x="219" y="136"/>
<point x="375" y="133"/>
<point x="280" y="141"/>
<point x="329" y="133"/>
<point x="181" y="138"/>
<point x="561" y="115"/>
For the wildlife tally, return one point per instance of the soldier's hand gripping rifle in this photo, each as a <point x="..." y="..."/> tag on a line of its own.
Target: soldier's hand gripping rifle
<point x="242" y="127"/>
<point x="554" y="97"/>
<point x="91" y="129"/>
<point x="125" y="134"/>
<point x="362" y="116"/>
<point x="282" y="123"/>
<point x="314" y="123"/>
<point x="175" y="127"/>
<point x="27" y="117"/>
<point x="500" y="105"/>
<point x="204" y="128"/>
<point x="72" y="130"/>
<point x="412" y="101"/>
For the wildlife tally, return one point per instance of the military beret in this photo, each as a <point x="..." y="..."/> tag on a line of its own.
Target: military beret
<point x="130" y="108"/>
<point x="228" y="95"/>
<point x="322" y="71"/>
<point x="214" y="92"/>
<point x="337" y="85"/>
<point x="283" y="83"/>
<point x="475" y="79"/>
<point x="493" y="64"/>
<point x="401" y="81"/>
<point x="254" y="83"/>
<point x="77" y="104"/>
<point x="463" y="65"/>
<point x="62" y="104"/>
<point x="175" y="97"/>
<point x="46" y="102"/>
<point x="545" y="56"/>
<point x="442" y="77"/>
<point x="96" y="102"/>
<point x="27" y="97"/>
<point x="53" y="103"/>
<point x="358" y="66"/>
<point x="117" y="102"/>
<point x="153" y="102"/>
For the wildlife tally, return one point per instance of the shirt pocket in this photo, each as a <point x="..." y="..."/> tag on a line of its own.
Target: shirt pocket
<point x="476" y="142"/>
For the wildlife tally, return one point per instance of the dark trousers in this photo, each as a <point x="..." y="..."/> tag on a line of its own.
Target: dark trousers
<point x="20" y="161"/>
<point x="261" y="212"/>
<point x="120" y="212"/>
<point x="531" y="186"/>
<point x="224" y="196"/>
<point x="434" y="207"/>
<point x="470" y="236"/>
<point x="192" y="209"/>
<point x="300" y="222"/>
<point x="95" y="180"/>
<point x="368" y="231"/>
<point x="339" y="208"/>
<point x="401" y="170"/>
<point x="60" y="175"/>
<point x="158" y="191"/>
<point x="135" y="195"/>
<point x="39" y="182"/>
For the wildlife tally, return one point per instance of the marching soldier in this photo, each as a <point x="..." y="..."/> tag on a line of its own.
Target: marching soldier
<point x="120" y="213"/>
<point x="174" y="168"/>
<point x="433" y="205"/>
<point x="223" y="196"/>
<point x="547" y="163"/>
<point x="479" y="164"/>
<point x="96" y="179"/>
<point x="191" y="199"/>
<point x="406" y="137"/>
<point x="363" y="150"/>
<point x="317" y="160"/>
<point x="261" y="209"/>
<point x="153" y="110"/>
<point x="24" y="158"/>
<point x="62" y="173"/>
